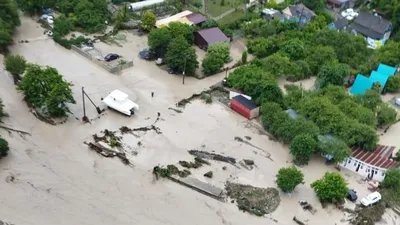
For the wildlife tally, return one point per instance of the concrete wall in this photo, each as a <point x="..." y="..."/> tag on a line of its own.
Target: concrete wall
<point x="111" y="69"/>
<point x="364" y="169"/>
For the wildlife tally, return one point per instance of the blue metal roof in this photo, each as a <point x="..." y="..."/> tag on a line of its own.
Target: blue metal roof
<point x="386" y="70"/>
<point x="378" y="77"/>
<point x="361" y="85"/>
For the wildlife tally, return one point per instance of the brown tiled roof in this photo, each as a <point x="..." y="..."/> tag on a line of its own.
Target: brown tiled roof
<point x="213" y="35"/>
<point x="196" y="18"/>
<point x="379" y="157"/>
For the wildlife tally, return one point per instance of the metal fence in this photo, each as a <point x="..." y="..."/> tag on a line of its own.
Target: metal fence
<point x="110" y="68"/>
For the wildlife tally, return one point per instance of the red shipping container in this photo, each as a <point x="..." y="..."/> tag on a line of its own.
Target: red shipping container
<point x="244" y="107"/>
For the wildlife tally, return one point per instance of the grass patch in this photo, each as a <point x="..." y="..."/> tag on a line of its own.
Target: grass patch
<point x="217" y="7"/>
<point x="238" y="14"/>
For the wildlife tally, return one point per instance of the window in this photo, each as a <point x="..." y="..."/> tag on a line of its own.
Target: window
<point x="349" y="161"/>
<point x="368" y="170"/>
<point x="376" y="171"/>
<point x="383" y="173"/>
<point x="355" y="163"/>
<point x="362" y="165"/>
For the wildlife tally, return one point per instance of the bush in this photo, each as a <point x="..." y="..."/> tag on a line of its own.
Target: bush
<point x="2" y="113"/>
<point x="62" y="25"/>
<point x="392" y="179"/>
<point x="393" y="84"/>
<point x="212" y="64"/>
<point x="288" y="178"/>
<point x="209" y="23"/>
<point x="62" y="41"/>
<point x="386" y="115"/>
<point x="3" y="147"/>
<point x="15" y="64"/>
<point x="302" y="148"/>
<point x="244" y="57"/>
<point x="330" y="188"/>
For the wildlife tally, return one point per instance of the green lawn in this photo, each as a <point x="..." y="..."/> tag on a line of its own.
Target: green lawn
<point x="231" y="17"/>
<point x="215" y="8"/>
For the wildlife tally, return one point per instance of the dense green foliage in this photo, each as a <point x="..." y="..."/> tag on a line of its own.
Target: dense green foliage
<point x="335" y="147"/>
<point x="256" y="82"/>
<point x="181" y="57"/>
<point x="159" y="39"/>
<point x="45" y="89"/>
<point x="3" y="147"/>
<point x="148" y="21"/>
<point x="2" y="113"/>
<point x="244" y="57"/>
<point x="216" y="55"/>
<point x="302" y="148"/>
<point x="330" y="188"/>
<point x="386" y="115"/>
<point x="9" y="20"/>
<point x="15" y="64"/>
<point x="209" y="23"/>
<point x="392" y="179"/>
<point x="332" y="74"/>
<point x="391" y="187"/>
<point x="89" y="15"/>
<point x="288" y="178"/>
<point x="393" y="84"/>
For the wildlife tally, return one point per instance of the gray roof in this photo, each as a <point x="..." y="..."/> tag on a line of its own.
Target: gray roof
<point x="340" y="23"/>
<point x="370" y="25"/>
<point x="213" y="35"/>
<point x="301" y="9"/>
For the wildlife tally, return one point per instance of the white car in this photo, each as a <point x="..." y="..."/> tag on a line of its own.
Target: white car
<point x="371" y="199"/>
<point x="119" y="101"/>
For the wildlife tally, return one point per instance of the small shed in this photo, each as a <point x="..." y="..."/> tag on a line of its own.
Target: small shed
<point x="386" y="70"/>
<point x="196" y="18"/>
<point x="244" y="107"/>
<point x="205" y="37"/>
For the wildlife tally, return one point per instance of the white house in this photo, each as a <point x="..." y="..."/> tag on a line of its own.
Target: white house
<point x="142" y="4"/>
<point x="371" y="164"/>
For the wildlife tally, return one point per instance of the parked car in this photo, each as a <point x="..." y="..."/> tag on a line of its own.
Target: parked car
<point x="147" y="54"/>
<point x="120" y="102"/>
<point x="371" y="199"/>
<point x="352" y="195"/>
<point x="171" y="71"/>
<point x="160" y="61"/>
<point x="110" y="57"/>
<point x="49" y="33"/>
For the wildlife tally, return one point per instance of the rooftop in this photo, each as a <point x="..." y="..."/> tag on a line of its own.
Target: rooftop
<point x="245" y="102"/>
<point x="179" y="17"/>
<point x="361" y="85"/>
<point x="196" y="18"/>
<point x="379" y="157"/>
<point x="213" y="35"/>
<point x="371" y="25"/>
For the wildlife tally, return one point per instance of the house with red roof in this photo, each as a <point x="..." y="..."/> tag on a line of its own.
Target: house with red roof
<point x="371" y="164"/>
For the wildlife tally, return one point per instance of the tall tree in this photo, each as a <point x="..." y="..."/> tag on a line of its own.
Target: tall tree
<point x="330" y="188"/>
<point x="181" y="29"/>
<point x="9" y="19"/>
<point x="302" y="148"/>
<point x="159" y="39"/>
<point x="334" y="147"/>
<point x="288" y="178"/>
<point x="15" y="64"/>
<point x="148" y="21"/>
<point x="333" y="74"/>
<point x="45" y="89"/>
<point x="3" y="147"/>
<point x="181" y="56"/>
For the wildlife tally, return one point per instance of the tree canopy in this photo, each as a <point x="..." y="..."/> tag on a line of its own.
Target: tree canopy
<point x="330" y="188"/>
<point x="302" y="148"/>
<point x="181" y="57"/>
<point x="159" y="39"/>
<point x="148" y="21"/>
<point x="15" y="64"/>
<point x="288" y="178"/>
<point x="333" y="74"/>
<point x="9" y="20"/>
<point x="3" y="147"/>
<point x="45" y="89"/>
<point x="217" y="54"/>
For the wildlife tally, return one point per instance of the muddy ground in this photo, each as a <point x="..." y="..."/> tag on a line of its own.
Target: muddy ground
<point x="54" y="175"/>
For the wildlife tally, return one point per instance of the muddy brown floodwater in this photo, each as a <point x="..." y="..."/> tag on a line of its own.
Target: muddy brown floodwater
<point x="58" y="180"/>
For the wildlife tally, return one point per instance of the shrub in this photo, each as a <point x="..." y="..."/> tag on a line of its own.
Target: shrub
<point x="288" y="178"/>
<point x="3" y="147"/>
<point x="330" y="188"/>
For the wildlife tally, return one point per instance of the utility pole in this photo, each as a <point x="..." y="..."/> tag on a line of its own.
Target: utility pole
<point x="85" y="118"/>
<point x="184" y="70"/>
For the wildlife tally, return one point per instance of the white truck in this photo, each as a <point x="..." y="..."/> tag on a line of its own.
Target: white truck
<point x="120" y="102"/>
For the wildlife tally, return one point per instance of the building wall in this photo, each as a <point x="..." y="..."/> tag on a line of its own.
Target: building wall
<point x="364" y="169"/>
<point x="199" y="41"/>
<point x="254" y="113"/>
<point x="239" y="108"/>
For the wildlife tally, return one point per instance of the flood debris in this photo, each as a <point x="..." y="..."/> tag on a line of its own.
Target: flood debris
<point x="109" y="137"/>
<point x="224" y="168"/>
<point x="176" y="110"/>
<point x="198" y="162"/>
<point x="307" y="206"/>
<point x="108" y="152"/>
<point x="247" y="137"/>
<point x="126" y="130"/>
<point x="209" y="174"/>
<point x="368" y="215"/>
<point x="9" y="129"/>
<point x="168" y="171"/>
<point x="218" y="92"/>
<point x="298" y="221"/>
<point x="212" y="156"/>
<point x="268" y="155"/>
<point x="255" y="200"/>
<point x="249" y="162"/>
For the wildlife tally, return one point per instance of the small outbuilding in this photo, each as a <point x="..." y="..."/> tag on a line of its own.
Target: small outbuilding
<point x="205" y="37"/>
<point x="196" y="18"/>
<point x="244" y="107"/>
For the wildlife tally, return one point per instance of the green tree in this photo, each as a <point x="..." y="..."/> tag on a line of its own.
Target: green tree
<point x="278" y="64"/>
<point x="294" y="49"/>
<point x="212" y="63"/>
<point x="370" y="99"/>
<point x="159" y="39"/>
<point x="393" y="84"/>
<point x="244" y="57"/>
<point x="356" y="111"/>
<point x="62" y="25"/>
<point x="330" y="188"/>
<point x="45" y="89"/>
<point x="15" y="64"/>
<point x="392" y="179"/>
<point x="333" y="74"/>
<point x="288" y="178"/>
<point x="262" y="47"/>
<point x="314" y="4"/>
<point x="181" y="29"/>
<point x="9" y="19"/>
<point x="386" y="115"/>
<point x="334" y="147"/>
<point x="397" y="158"/>
<point x="148" y="21"/>
<point x="302" y="148"/>
<point x="221" y="50"/>
<point x="91" y="15"/>
<point x="3" y="147"/>
<point x="181" y="56"/>
<point x="35" y="6"/>
<point x="319" y="56"/>
<point x="209" y="23"/>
